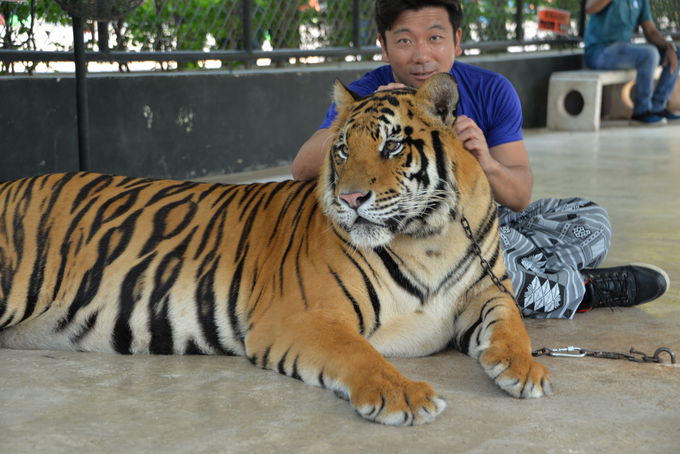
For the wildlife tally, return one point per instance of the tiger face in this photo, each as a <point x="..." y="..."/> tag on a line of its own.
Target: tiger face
<point x="388" y="171"/>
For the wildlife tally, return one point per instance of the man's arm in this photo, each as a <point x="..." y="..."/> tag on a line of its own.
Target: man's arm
<point x="595" y="6"/>
<point x="511" y="180"/>
<point x="654" y="36"/>
<point x="309" y="159"/>
<point x="506" y="166"/>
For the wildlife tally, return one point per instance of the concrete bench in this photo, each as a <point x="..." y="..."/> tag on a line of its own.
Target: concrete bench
<point x="584" y="84"/>
<point x="575" y="97"/>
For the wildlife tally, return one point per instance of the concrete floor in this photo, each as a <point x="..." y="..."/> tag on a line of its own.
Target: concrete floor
<point x="79" y="402"/>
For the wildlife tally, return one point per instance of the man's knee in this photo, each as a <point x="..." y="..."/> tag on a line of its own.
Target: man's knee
<point x="600" y="216"/>
<point x="588" y="216"/>
<point x="595" y="211"/>
<point x="649" y="57"/>
<point x="598" y="219"/>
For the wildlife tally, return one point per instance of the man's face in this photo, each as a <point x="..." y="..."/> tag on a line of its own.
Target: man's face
<point x="420" y="44"/>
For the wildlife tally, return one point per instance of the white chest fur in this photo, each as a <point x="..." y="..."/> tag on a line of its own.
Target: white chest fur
<point x="411" y="326"/>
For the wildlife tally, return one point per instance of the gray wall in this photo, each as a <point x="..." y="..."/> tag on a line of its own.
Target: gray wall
<point x="192" y="125"/>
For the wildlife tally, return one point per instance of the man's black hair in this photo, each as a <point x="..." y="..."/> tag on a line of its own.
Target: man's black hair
<point x="387" y="11"/>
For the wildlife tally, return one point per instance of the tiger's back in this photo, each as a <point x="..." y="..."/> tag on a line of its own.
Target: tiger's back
<point x="147" y="261"/>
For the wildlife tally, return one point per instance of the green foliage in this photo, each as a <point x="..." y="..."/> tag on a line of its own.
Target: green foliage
<point x="485" y="20"/>
<point x="218" y="24"/>
<point x="20" y="21"/>
<point x="339" y="17"/>
<point x="280" y="21"/>
<point x="100" y="10"/>
<point x="214" y="24"/>
<point x="174" y="24"/>
<point x="667" y="14"/>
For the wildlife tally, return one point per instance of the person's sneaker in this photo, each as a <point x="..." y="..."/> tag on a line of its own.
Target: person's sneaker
<point x="647" y="119"/>
<point x="668" y="115"/>
<point x="627" y="285"/>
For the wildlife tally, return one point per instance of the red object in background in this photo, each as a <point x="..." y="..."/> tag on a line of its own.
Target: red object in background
<point x="554" y="20"/>
<point x="314" y="4"/>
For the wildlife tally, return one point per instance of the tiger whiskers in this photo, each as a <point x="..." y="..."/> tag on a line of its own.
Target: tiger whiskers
<point x="419" y="202"/>
<point x="351" y="250"/>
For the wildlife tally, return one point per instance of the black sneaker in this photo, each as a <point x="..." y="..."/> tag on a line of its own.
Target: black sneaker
<point x="628" y="285"/>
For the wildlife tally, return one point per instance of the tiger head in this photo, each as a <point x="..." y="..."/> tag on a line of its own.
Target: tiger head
<point x="390" y="167"/>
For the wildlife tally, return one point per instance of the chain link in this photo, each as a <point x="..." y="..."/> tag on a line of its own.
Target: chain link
<point x="632" y="355"/>
<point x="571" y="352"/>
<point x="478" y="251"/>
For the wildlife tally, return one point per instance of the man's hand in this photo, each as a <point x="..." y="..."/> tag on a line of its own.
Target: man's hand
<point x="670" y="58"/>
<point x="473" y="139"/>
<point x="654" y="36"/>
<point x="390" y="86"/>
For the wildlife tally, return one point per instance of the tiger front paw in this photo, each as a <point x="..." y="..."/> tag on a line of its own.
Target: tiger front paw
<point x="404" y="404"/>
<point x="519" y="375"/>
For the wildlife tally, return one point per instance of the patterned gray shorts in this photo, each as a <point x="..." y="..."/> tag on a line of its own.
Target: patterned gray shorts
<point x="546" y="246"/>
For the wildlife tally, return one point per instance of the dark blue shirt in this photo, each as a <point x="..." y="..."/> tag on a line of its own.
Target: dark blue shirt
<point x="488" y="98"/>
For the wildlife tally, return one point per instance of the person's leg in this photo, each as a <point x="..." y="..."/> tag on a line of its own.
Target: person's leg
<point x="546" y="246"/>
<point x="551" y="251"/>
<point x="540" y="292"/>
<point x="642" y="57"/>
<point x="664" y="88"/>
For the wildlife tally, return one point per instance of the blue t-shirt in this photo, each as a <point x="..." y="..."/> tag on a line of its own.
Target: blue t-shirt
<point x="616" y="22"/>
<point x="488" y="98"/>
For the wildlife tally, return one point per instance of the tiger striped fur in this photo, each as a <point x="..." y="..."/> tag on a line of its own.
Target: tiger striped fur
<point x="316" y="280"/>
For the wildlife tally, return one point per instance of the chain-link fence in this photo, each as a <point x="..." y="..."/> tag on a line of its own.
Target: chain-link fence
<point x="195" y="25"/>
<point x="239" y="32"/>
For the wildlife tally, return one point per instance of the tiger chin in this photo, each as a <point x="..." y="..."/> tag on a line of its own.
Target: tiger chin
<point x="319" y="281"/>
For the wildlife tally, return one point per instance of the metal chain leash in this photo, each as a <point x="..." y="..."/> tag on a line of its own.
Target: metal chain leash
<point x="478" y="252"/>
<point x="570" y="352"/>
<point x="632" y="355"/>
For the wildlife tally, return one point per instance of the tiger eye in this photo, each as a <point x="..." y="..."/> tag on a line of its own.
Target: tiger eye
<point x="391" y="145"/>
<point x="340" y="152"/>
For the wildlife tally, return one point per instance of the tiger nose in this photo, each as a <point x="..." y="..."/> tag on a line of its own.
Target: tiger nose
<point x="355" y="199"/>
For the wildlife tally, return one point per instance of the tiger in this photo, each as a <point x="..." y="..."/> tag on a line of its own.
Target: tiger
<point x="392" y="252"/>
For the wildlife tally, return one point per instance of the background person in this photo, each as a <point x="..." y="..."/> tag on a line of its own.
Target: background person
<point x="611" y="25"/>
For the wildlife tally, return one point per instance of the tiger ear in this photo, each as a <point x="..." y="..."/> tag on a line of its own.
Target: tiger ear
<point x="439" y="94"/>
<point x="343" y="96"/>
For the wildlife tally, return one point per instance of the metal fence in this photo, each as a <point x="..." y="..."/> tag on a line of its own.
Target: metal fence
<point x="36" y="34"/>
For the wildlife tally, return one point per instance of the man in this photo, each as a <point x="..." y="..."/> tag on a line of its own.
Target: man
<point x="550" y="246"/>
<point x="607" y="40"/>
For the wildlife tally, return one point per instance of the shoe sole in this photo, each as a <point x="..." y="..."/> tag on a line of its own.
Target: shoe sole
<point x="663" y="122"/>
<point x="658" y="270"/>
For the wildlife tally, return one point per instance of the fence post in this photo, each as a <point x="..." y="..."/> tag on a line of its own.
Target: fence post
<point x="582" y="19"/>
<point x="83" y="116"/>
<point x="103" y="36"/>
<point x="356" y="24"/>
<point x="519" y="21"/>
<point x="246" y="11"/>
